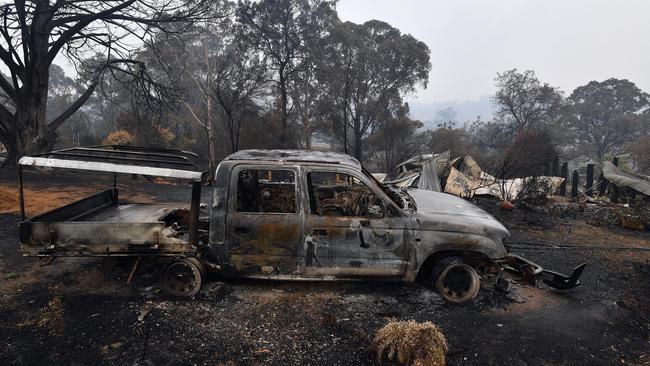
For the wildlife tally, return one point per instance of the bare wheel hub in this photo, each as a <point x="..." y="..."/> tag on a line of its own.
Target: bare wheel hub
<point x="183" y="277"/>
<point x="458" y="283"/>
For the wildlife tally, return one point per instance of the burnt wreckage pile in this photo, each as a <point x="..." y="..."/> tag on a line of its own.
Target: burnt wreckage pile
<point x="610" y="195"/>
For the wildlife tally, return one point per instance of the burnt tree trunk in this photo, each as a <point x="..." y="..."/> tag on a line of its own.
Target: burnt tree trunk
<point x="306" y="128"/>
<point x="358" y="137"/>
<point x="284" y="114"/>
<point x="32" y="133"/>
<point x="602" y="185"/>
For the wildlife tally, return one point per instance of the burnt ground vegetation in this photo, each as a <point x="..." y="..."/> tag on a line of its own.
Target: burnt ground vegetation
<point x="81" y="311"/>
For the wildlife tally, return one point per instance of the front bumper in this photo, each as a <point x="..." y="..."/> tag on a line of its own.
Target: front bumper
<point x="530" y="272"/>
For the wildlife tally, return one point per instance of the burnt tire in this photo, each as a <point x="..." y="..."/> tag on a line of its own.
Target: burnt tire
<point x="458" y="283"/>
<point x="183" y="277"/>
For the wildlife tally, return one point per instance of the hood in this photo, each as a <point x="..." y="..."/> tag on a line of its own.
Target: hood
<point x="445" y="212"/>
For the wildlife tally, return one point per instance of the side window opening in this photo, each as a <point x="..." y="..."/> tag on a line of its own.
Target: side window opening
<point x="266" y="191"/>
<point x="340" y="194"/>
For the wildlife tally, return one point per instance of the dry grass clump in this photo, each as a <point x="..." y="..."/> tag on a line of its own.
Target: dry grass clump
<point x="411" y="343"/>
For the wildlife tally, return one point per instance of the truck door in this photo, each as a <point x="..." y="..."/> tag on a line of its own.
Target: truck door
<point x="350" y="230"/>
<point x="264" y="225"/>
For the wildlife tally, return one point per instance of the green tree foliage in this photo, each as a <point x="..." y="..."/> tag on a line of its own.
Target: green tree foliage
<point x="524" y="103"/>
<point x="456" y="140"/>
<point x="367" y="68"/>
<point x="219" y="78"/>
<point x="392" y="141"/>
<point x="603" y="116"/>
<point x="287" y="33"/>
<point x="640" y="151"/>
<point x="63" y="92"/>
<point x="529" y="155"/>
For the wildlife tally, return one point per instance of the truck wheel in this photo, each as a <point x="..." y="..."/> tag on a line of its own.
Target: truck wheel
<point x="457" y="282"/>
<point x="183" y="277"/>
<point x="200" y="265"/>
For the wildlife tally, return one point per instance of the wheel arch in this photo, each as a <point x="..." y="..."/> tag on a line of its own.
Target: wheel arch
<point x="473" y="257"/>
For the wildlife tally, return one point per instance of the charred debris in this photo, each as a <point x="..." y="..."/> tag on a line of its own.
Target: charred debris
<point x="605" y="193"/>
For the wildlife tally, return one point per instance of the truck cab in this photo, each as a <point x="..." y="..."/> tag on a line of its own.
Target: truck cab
<point x="285" y="213"/>
<point x="302" y="214"/>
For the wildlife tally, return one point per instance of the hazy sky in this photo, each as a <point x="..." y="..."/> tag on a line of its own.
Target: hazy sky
<point x="568" y="43"/>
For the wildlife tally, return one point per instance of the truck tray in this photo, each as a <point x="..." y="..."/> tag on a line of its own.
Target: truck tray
<point x="98" y="226"/>
<point x="132" y="212"/>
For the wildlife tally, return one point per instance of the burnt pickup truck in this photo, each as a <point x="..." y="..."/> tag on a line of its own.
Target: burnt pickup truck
<point x="278" y="214"/>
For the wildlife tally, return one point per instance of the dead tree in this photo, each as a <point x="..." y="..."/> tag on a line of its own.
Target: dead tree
<point x="95" y="36"/>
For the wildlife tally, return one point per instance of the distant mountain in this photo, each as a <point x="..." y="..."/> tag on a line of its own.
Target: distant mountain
<point x="468" y="110"/>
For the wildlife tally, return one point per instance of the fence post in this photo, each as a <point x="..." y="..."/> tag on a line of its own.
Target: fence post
<point x="575" y="181"/>
<point x="564" y="174"/>
<point x="589" y="187"/>
<point x="547" y="170"/>
<point x="613" y="188"/>
<point x="631" y="195"/>
<point x="613" y="193"/>
<point x="555" y="167"/>
<point x="602" y="185"/>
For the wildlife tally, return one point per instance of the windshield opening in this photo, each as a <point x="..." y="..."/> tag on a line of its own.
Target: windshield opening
<point x="399" y="196"/>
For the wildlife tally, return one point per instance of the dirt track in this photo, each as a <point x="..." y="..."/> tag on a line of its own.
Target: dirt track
<point x="78" y="311"/>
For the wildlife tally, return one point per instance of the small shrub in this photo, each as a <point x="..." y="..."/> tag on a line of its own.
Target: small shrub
<point x="166" y="135"/>
<point x="119" y="137"/>
<point x="411" y="343"/>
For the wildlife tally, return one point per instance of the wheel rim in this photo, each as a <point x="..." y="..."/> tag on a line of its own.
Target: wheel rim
<point x="182" y="278"/>
<point x="458" y="283"/>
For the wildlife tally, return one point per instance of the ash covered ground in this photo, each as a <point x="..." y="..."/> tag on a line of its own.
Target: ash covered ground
<point x="80" y="311"/>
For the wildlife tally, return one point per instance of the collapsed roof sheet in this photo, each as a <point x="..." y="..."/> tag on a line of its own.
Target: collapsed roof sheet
<point x="422" y="171"/>
<point x="638" y="182"/>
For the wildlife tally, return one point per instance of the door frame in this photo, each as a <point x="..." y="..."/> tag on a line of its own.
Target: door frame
<point x="247" y="264"/>
<point x="308" y="248"/>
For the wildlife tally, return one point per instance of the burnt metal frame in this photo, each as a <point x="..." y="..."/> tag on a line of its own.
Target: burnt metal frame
<point x="234" y="184"/>
<point x="111" y="162"/>
<point x="126" y="155"/>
